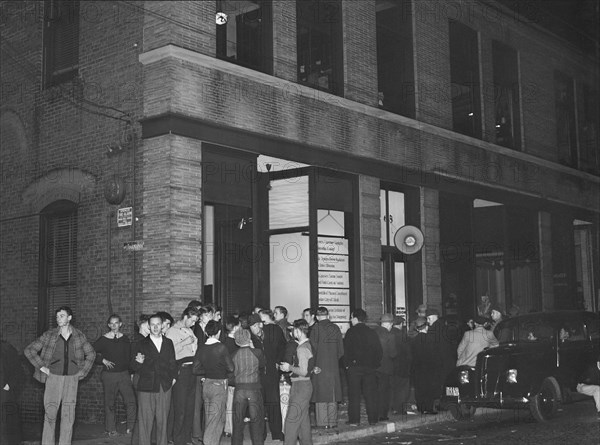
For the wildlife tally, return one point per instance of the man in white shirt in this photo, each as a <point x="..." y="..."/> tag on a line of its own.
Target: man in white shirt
<point x="184" y="391"/>
<point x="154" y="362"/>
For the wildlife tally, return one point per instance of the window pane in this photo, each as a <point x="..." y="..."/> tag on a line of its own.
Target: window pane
<point x="383" y="219"/>
<point x="242" y="39"/>
<point x="506" y="95"/>
<point x="319" y="34"/>
<point x="565" y="119"/>
<point x="330" y="222"/>
<point x="464" y="78"/>
<point x="290" y="273"/>
<point x="395" y="74"/>
<point x="400" y="290"/>
<point x="396" y="214"/>
<point x="288" y="203"/>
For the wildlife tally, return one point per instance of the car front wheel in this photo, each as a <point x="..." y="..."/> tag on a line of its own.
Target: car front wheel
<point x="461" y="412"/>
<point x="545" y="403"/>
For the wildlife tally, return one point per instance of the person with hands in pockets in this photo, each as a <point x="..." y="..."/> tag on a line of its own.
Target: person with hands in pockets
<point x="61" y="357"/>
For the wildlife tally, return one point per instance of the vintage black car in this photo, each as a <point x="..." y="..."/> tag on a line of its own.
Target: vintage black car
<point x="537" y="365"/>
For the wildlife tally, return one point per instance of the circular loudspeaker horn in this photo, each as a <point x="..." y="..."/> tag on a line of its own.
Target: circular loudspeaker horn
<point x="408" y="239"/>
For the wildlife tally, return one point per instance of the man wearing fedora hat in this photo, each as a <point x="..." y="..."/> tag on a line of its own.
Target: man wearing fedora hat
<point x="412" y="328"/>
<point x="386" y="369"/>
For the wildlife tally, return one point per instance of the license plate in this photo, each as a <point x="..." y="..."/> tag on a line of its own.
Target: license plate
<point x="452" y="391"/>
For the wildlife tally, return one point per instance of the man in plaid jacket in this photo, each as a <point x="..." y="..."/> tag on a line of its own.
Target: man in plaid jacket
<point x="61" y="357"/>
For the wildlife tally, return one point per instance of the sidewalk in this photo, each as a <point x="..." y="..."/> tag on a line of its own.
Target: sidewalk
<point x="93" y="434"/>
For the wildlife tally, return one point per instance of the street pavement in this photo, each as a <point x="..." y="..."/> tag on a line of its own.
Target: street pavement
<point x="576" y="423"/>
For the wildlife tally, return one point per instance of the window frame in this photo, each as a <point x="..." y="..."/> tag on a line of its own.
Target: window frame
<point x="53" y="212"/>
<point x="321" y="25"/>
<point x="52" y="32"/>
<point x="265" y="19"/>
<point x="458" y="62"/>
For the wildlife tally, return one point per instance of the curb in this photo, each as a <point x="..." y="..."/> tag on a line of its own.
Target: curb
<point x="407" y="422"/>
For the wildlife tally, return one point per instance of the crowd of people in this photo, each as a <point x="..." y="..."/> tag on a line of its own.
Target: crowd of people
<point x="201" y="377"/>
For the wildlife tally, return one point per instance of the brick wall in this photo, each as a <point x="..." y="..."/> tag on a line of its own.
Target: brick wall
<point x="431" y="269"/>
<point x="370" y="245"/>
<point x="173" y="223"/>
<point x="53" y="147"/>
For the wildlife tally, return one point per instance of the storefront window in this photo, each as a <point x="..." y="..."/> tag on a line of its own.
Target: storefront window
<point x="290" y="272"/>
<point x="288" y="203"/>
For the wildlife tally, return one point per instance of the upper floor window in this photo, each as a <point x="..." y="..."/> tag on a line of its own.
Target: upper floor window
<point x="246" y="37"/>
<point x="506" y="96"/>
<point x="61" y="41"/>
<point x="319" y="34"/>
<point x="395" y="75"/>
<point x="464" y="78"/>
<point x="392" y="215"/>
<point x="589" y="118"/>
<point x="58" y="261"/>
<point x="566" y="137"/>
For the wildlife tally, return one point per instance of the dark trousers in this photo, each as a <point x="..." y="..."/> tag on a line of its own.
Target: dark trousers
<point x="384" y="383"/>
<point x="10" y="421"/>
<point x="183" y="399"/>
<point x="153" y="406"/>
<point x="362" y="381"/>
<point x="198" y="423"/>
<point x="400" y="393"/>
<point x="273" y="405"/>
<point x="115" y="382"/>
<point x="248" y="401"/>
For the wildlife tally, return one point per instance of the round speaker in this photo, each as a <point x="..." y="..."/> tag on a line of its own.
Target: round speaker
<point x="408" y="239"/>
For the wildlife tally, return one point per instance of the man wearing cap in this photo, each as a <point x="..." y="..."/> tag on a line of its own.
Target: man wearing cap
<point x="402" y="364"/>
<point x="297" y="421"/>
<point x="421" y="318"/>
<point x="327" y="347"/>
<point x="249" y="364"/>
<point x="270" y="339"/>
<point x="475" y="341"/>
<point x="362" y="357"/>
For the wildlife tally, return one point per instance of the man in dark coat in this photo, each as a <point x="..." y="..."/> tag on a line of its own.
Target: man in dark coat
<point x="11" y="385"/>
<point x="439" y="335"/>
<point x="362" y="357"/>
<point x="402" y="365"/>
<point x="154" y="362"/>
<point x="328" y="347"/>
<point x="386" y="369"/>
<point x="425" y="370"/>
<point x="270" y="339"/>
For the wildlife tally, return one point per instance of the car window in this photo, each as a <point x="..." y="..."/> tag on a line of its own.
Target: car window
<point x="593" y="327"/>
<point x="535" y="330"/>
<point x="571" y="331"/>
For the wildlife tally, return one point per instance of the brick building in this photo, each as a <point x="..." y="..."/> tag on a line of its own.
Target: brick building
<point x="270" y="151"/>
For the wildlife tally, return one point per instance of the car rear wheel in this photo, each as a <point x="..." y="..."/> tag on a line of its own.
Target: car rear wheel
<point x="461" y="412"/>
<point x="545" y="403"/>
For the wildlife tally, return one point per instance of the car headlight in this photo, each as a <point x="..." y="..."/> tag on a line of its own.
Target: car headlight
<point x="511" y="376"/>
<point x="463" y="377"/>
